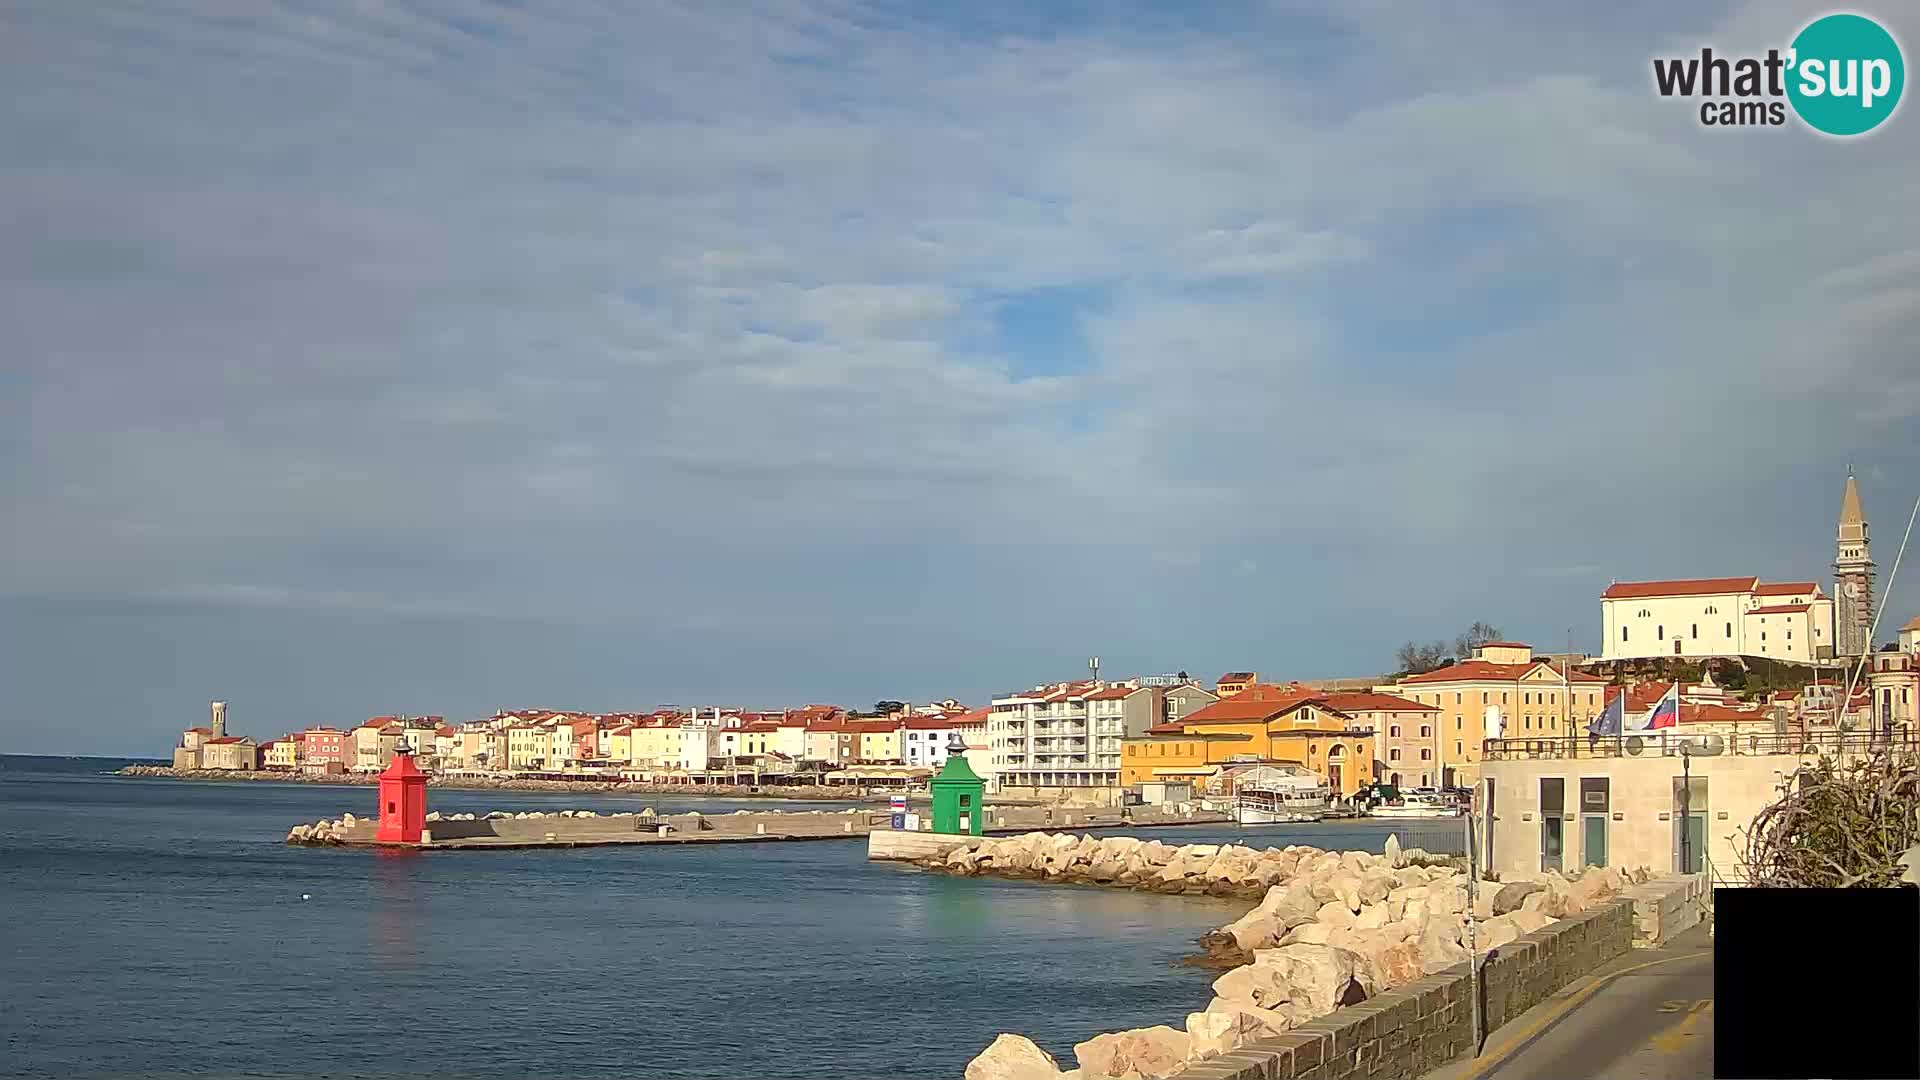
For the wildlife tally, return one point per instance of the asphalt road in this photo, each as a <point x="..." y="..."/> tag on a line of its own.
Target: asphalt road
<point x="1650" y="1018"/>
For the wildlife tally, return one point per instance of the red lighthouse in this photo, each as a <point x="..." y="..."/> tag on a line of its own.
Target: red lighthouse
<point x="403" y="801"/>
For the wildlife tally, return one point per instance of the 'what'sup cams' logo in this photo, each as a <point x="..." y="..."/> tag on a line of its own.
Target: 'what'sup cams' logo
<point x="1842" y="75"/>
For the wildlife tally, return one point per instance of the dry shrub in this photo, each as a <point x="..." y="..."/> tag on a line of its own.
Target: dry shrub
<point x="1840" y="825"/>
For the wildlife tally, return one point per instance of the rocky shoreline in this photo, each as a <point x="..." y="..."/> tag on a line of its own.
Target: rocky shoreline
<point x="810" y="792"/>
<point x="1330" y="929"/>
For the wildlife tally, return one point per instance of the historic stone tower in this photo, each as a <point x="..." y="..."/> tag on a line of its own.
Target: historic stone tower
<point x="1852" y="578"/>
<point x="219" y="720"/>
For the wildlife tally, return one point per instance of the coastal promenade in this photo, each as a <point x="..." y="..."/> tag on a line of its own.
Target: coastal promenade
<point x="804" y="792"/>
<point x="1644" y="1016"/>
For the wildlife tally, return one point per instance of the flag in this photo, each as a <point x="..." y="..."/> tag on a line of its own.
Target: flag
<point x="1612" y="718"/>
<point x="1665" y="712"/>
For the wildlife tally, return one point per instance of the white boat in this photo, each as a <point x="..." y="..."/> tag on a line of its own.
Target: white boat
<point x="1264" y="806"/>
<point x="1415" y="806"/>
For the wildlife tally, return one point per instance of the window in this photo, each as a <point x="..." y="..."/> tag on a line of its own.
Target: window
<point x="1457" y="747"/>
<point x="1527" y="723"/>
<point x="1696" y="630"/>
<point x="1789" y="635"/>
<point x="1711" y="610"/>
<point x="1426" y="754"/>
<point x="1426" y="732"/>
<point x="1729" y="629"/>
<point x="1457" y="697"/>
<point x="1393" y="754"/>
<point x="1394" y="731"/>
<point x="1623" y="633"/>
<point x="1763" y="635"/>
<point x="1660" y="632"/>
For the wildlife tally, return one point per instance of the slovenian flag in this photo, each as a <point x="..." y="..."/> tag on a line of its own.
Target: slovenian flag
<point x="1666" y="711"/>
<point x="1611" y="719"/>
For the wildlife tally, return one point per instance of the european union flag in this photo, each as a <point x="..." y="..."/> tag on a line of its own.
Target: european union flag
<point x="1612" y="719"/>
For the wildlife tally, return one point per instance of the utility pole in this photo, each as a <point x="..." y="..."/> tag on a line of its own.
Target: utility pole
<point x="1473" y="895"/>
<point x="1686" y="808"/>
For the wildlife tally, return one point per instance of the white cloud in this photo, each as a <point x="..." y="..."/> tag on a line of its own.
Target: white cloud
<point x="472" y="308"/>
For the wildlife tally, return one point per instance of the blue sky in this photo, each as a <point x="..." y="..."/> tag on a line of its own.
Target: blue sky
<point x="374" y="356"/>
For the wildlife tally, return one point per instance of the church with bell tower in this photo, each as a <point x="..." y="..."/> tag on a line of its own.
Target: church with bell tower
<point x="1852" y="578"/>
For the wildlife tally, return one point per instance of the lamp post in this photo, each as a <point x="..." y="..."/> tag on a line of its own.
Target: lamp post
<point x="1686" y="808"/>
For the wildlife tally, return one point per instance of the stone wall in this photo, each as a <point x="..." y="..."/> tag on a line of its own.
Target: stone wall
<point x="907" y="846"/>
<point x="1406" y="1033"/>
<point x="1665" y="907"/>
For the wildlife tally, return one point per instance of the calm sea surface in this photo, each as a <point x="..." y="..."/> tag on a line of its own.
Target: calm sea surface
<point x="156" y="928"/>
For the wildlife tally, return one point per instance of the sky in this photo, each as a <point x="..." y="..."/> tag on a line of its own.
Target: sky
<point x="426" y="356"/>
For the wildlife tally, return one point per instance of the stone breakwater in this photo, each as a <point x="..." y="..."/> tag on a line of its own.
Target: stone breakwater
<point x="1330" y="929"/>
<point x="347" y="828"/>
<point x="468" y="783"/>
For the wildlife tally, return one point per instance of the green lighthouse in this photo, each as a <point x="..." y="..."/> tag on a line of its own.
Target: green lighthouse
<point x="958" y="793"/>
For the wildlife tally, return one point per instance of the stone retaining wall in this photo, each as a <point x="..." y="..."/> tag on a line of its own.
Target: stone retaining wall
<point x="1665" y="907"/>
<point x="907" y="846"/>
<point x="1408" y="1032"/>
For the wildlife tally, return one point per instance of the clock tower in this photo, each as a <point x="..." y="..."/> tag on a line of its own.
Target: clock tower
<point x="1852" y="578"/>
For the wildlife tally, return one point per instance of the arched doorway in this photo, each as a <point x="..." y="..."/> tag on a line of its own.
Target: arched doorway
<point x="1336" y="757"/>
<point x="1396" y="780"/>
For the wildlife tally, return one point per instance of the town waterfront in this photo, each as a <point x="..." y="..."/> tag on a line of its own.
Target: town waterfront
<point x="156" y="927"/>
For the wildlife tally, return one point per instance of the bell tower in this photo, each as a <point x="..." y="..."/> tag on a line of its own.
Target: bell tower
<point x="1852" y="577"/>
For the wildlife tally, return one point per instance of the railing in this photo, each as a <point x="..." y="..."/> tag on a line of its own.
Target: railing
<point x="1669" y="744"/>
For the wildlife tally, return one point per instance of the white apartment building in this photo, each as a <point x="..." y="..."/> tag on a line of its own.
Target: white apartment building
<point x="1709" y="617"/>
<point x="1067" y="735"/>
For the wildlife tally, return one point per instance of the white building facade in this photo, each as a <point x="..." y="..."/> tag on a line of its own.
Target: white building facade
<point x="1717" y="617"/>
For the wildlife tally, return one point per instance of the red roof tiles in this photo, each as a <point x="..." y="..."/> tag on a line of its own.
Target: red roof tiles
<point x="1632" y="590"/>
<point x="1786" y="588"/>
<point x="1487" y="671"/>
<point x="1776" y="609"/>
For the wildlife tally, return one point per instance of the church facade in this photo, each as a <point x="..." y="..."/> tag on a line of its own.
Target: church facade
<point x="1794" y="621"/>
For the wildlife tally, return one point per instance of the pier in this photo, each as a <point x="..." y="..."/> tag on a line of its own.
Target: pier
<point x="580" y="828"/>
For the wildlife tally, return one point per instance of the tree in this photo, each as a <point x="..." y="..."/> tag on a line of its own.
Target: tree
<point x="887" y="708"/>
<point x="1415" y="658"/>
<point x="1480" y="633"/>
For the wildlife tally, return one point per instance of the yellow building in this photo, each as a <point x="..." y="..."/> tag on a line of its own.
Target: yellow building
<point x="527" y="746"/>
<point x="879" y="739"/>
<point x="617" y="744"/>
<point x="283" y="754"/>
<point x="1502" y="692"/>
<point x="659" y="743"/>
<point x="1261" y="723"/>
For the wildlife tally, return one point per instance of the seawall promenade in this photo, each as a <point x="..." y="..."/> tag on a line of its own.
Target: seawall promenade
<point x="588" y="828"/>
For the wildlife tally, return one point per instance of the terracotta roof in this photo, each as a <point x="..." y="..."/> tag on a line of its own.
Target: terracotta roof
<point x="1911" y="624"/>
<point x="226" y="739"/>
<point x="872" y="727"/>
<point x="1114" y="693"/>
<point x="764" y="725"/>
<point x="1261" y="701"/>
<point x="1632" y="590"/>
<point x="1167" y="729"/>
<point x="973" y="717"/>
<point x="1235" y="676"/>
<point x="585" y="725"/>
<point x="1779" y="609"/>
<point x="1374" y="703"/>
<point x="1505" y="645"/>
<point x="1487" y="671"/>
<point x="447" y="731"/>
<point x="928" y="723"/>
<point x="201" y="730"/>
<point x="1786" y="588"/>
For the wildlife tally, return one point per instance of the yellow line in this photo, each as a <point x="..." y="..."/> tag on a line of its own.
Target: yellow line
<point x="1500" y="1053"/>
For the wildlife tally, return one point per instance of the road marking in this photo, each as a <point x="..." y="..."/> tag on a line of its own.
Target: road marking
<point x="1686" y="1006"/>
<point x="1678" y="1037"/>
<point x="1497" y="1056"/>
